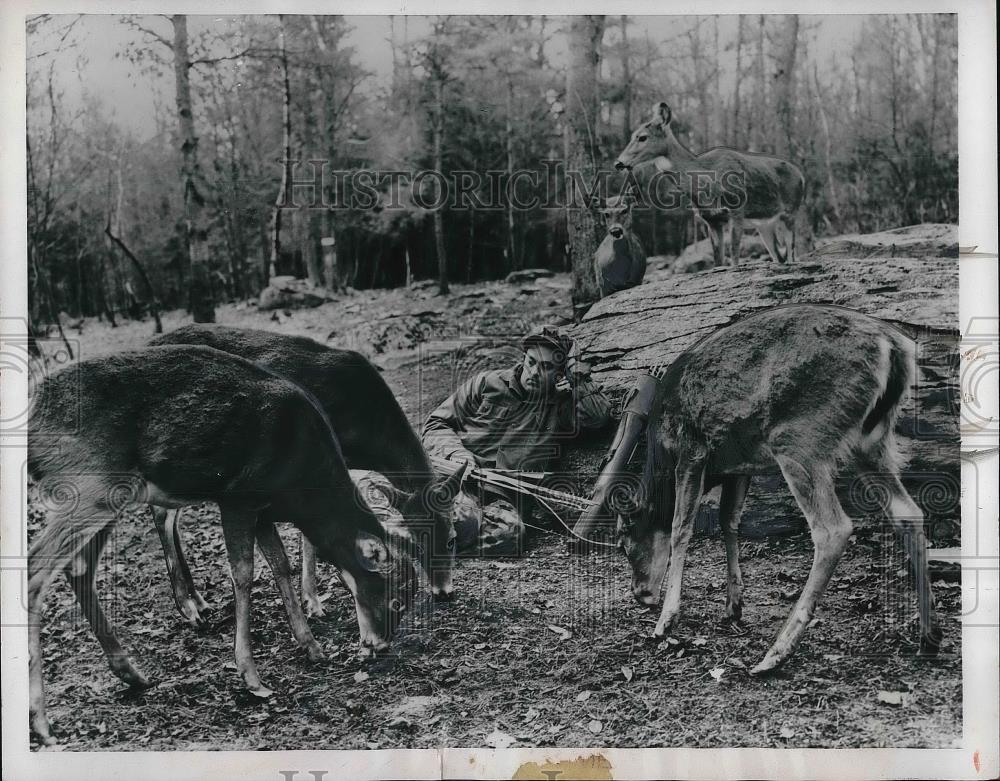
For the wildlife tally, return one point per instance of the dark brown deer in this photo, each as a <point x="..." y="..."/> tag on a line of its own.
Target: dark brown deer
<point x="767" y="191"/>
<point x="620" y="260"/>
<point x="814" y="389"/>
<point x="178" y="425"/>
<point x="373" y="432"/>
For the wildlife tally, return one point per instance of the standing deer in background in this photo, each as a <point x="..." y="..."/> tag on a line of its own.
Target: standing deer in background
<point x="620" y="260"/>
<point x="172" y="426"/>
<point x="373" y="433"/>
<point x="812" y="388"/>
<point x="772" y="188"/>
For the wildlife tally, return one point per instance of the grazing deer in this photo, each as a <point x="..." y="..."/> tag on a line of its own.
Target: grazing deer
<point x="812" y="388"/>
<point x="172" y="426"/>
<point x="620" y="260"/>
<point x="769" y="189"/>
<point x="373" y="432"/>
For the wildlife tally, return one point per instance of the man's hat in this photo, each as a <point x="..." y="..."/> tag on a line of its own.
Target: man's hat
<point x="552" y="337"/>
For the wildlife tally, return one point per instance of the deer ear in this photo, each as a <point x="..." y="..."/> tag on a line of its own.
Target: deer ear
<point x="662" y="113"/>
<point x="453" y="484"/>
<point x="396" y="497"/>
<point x="372" y="553"/>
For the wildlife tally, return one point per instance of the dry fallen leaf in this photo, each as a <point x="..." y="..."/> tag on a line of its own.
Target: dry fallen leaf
<point x="499" y="739"/>
<point x="717" y="673"/>
<point x="531" y="715"/>
<point x="563" y="633"/>
<point x="627" y="672"/>
<point x="787" y="732"/>
<point x="595" y="726"/>
<point x="584" y="695"/>
<point x="361" y="676"/>
<point x="893" y="698"/>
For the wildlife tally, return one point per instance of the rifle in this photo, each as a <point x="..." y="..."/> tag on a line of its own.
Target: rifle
<point x="525" y="483"/>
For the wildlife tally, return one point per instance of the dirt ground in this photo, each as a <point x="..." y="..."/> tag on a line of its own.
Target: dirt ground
<point x="541" y="650"/>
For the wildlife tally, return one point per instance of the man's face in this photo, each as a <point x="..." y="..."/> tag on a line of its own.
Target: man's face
<point x="539" y="371"/>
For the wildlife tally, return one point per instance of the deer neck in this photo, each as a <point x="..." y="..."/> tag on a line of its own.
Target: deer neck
<point x="675" y="150"/>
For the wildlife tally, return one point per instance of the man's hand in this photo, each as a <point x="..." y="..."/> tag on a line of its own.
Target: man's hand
<point x="563" y="385"/>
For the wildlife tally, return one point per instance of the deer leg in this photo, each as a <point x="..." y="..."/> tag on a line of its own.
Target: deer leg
<point x="81" y="575"/>
<point x="186" y="604"/>
<point x="174" y="526"/>
<point x="689" y="483"/>
<point x="274" y="551"/>
<point x="58" y="543"/>
<point x="310" y="595"/>
<point x="908" y="523"/>
<point x="717" y="233"/>
<point x="831" y="529"/>
<point x="737" y="237"/>
<point x="238" y="530"/>
<point x="734" y="494"/>
<point x="786" y="237"/>
<point x="766" y="231"/>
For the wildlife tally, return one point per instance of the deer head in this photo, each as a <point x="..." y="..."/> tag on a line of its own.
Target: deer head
<point x="616" y="213"/>
<point x="650" y="140"/>
<point x="427" y="508"/>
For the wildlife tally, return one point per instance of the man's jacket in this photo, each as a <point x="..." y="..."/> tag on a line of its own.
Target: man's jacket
<point x="501" y="424"/>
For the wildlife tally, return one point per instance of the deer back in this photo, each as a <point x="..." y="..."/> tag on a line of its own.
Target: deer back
<point x="371" y="427"/>
<point x="194" y="424"/>
<point x="805" y="380"/>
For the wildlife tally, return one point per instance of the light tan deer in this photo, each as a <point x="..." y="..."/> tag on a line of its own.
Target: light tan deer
<point x="814" y="389"/>
<point x="172" y="426"/>
<point x="766" y="191"/>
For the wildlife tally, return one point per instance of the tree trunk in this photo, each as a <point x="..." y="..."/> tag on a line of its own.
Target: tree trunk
<point x="734" y="137"/>
<point x="761" y="124"/>
<point x="785" y="83"/>
<point x="284" y="194"/>
<point x="154" y="302"/>
<point x="626" y="83"/>
<point x="442" y="258"/>
<point x="827" y="153"/>
<point x="509" y="248"/>
<point x="585" y="36"/>
<point x="195" y="229"/>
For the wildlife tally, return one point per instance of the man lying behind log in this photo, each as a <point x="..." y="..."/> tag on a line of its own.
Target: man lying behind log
<point x="513" y="419"/>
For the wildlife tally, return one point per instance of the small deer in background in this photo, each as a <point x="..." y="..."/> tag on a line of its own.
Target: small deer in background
<point x="772" y="188"/>
<point x="620" y="260"/>
<point x="178" y="425"/>
<point x="814" y="389"/>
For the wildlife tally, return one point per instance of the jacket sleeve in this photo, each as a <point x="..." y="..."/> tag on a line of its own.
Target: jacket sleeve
<point x="593" y="407"/>
<point x="593" y="410"/>
<point x="440" y="434"/>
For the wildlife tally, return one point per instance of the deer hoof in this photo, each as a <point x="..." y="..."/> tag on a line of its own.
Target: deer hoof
<point x="313" y="608"/>
<point x="768" y="664"/>
<point x="443" y="595"/>
<point x="122" y="667"/>
<point x="40" y="726"/>
<point x="260" y="691"/>
<point x="930" y="643"/>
